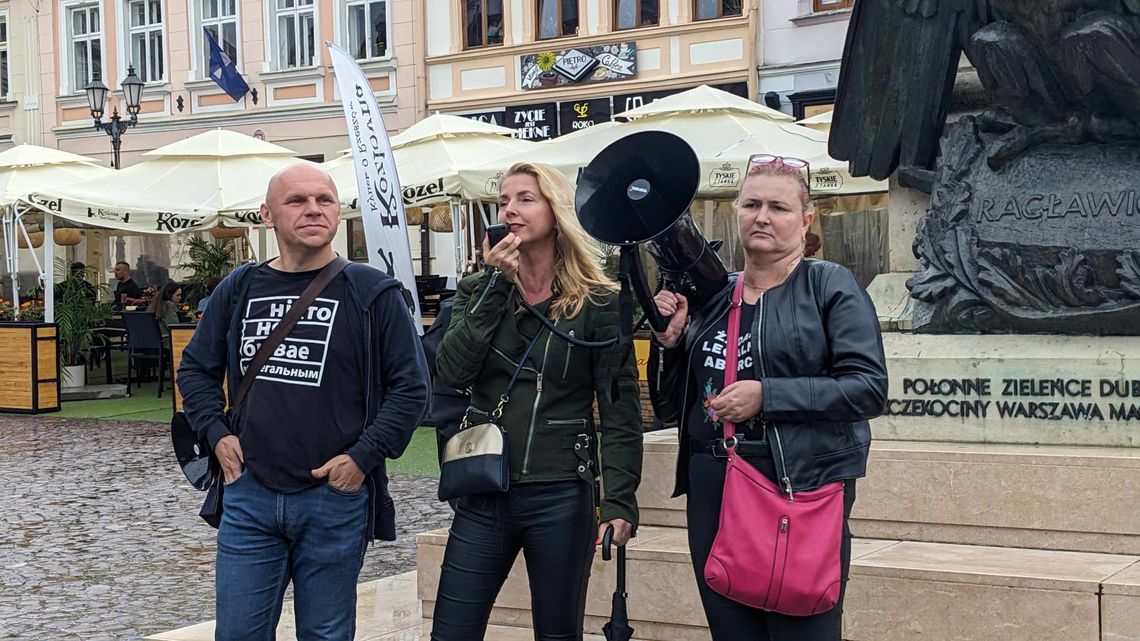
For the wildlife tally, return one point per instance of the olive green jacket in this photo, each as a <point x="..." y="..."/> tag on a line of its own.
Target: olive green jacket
<point x="553" y="400"/>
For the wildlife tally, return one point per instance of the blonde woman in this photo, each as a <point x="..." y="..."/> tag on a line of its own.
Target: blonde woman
<point x="549" y="512"/>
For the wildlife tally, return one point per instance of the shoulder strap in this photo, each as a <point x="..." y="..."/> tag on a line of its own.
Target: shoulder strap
<point x="300" y="306"/>
<point x="731" y="349"/>
<point x="506" y="395"/>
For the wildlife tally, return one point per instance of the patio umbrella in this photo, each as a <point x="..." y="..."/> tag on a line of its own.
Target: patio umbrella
<point x="704" y="99"/>
<point x="446" y="126"/>
<point x="723" y="141"/>
<point x="618" y="628"/>
<point x="819" y="122"/>
<point x="183" y="186"/>
<point x="430" y="167"/>
<point x="26" y="168"/>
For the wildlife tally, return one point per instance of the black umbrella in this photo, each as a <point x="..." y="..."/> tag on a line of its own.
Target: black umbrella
<point x="618" y="628"/>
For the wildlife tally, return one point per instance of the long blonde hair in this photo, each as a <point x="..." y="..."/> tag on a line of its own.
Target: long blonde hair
<point x="578" y="276"/>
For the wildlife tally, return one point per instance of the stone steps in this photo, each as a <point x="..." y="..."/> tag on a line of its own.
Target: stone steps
<point x="1032" y="496"/>
<point x="899" y="590"/>
<point x="387" y="610"/>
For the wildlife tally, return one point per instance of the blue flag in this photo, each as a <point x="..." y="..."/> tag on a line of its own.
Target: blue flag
<point x="223" y="71"/>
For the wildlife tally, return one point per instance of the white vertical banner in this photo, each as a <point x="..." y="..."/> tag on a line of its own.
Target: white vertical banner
<point x="381" y="199"/>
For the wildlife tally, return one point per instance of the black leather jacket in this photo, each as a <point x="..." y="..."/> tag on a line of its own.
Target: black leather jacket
<point x="820" y="361"/>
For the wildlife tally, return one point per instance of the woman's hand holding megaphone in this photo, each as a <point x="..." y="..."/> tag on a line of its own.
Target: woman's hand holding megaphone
<point x="676" y="308"/>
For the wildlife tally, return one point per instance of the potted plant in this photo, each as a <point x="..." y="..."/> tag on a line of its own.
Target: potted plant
<point x="208" y="259"/>
<point x="77" y="312"/>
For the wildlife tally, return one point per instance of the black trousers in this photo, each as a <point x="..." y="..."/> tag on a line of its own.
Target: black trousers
<point x="554" y="526"/>
<point x="732" y="621"/>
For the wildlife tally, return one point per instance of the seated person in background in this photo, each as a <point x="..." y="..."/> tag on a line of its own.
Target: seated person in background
<point x="210" y="285"/>
<point x="165" y="304"/>
<point x="78" y="270"/>
<point x="127" y="288"/>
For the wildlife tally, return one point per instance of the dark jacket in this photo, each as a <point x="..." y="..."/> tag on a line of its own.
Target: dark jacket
<point x="396" y="375"/>
<point x="820" y="361"/>
<point x="553" y="401"/>
<point x="447" y="403"/>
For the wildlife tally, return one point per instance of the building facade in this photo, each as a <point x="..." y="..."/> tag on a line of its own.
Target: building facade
<point x="548" y="67"/>
<point x="277" y="45"/>
<point x="801" y="46"/>
<point x="18" y="100"/>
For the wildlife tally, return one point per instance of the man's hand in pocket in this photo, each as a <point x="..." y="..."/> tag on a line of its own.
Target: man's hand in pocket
<point x="228" y="451"/>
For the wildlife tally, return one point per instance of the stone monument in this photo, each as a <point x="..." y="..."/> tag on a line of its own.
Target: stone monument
<point x="1010" y="131"/>
<point x="1034" y="219"/>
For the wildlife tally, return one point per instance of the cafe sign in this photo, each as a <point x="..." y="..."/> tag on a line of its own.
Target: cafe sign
<point x="580" y="65"/>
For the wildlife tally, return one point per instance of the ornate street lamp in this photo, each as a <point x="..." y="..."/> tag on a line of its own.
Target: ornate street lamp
<point x="97" y="99"/>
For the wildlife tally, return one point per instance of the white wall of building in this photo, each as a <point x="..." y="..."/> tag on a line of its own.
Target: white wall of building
<point x="799" y="50"/>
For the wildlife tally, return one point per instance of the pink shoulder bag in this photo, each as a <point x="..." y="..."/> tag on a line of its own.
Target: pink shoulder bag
<point x="775" y="550"/>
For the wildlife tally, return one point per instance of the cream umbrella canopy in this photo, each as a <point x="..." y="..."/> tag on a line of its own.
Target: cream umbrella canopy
<point x="819" y="122"/>
<point x="33" y="155"/>
<point x="25" y="168"/>
<point x="429" y="169"/>
<point x="183" y="186"/>
<point x="704" y="99"/>
<point x="723" y="141"/>
<point x="444" y="126"/>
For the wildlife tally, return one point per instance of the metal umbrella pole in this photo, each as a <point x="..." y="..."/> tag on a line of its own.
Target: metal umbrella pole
<point x="11" y="247"/>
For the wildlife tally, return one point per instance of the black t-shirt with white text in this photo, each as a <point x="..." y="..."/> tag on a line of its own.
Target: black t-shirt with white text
<point x="307" y="404"/>
<point x="707" y="369"/>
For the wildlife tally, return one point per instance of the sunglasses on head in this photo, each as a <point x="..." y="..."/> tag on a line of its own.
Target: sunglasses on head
<point x="770" y="160"/>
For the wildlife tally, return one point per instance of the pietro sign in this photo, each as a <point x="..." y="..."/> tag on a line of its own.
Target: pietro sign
<point x="579" y="65"/>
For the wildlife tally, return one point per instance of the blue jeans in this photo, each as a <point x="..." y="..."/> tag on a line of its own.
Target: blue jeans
<point x="315" y="537"/>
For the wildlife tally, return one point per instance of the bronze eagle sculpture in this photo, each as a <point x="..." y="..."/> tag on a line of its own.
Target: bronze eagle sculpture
<point x="1061" y="71"/>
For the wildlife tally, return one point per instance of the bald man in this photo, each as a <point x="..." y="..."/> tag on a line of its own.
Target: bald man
<point x="303" y="457"/>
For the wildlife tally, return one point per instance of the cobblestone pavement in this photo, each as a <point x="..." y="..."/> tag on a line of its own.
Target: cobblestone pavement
<point x="100" y="538"/>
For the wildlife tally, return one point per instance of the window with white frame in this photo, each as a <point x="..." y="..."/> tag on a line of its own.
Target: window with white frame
<point x="3" y="56"/>
<point x="367" y="28"/>
<point x="819" y="6"/>
<point x="220" y="19"/>
<point x="144" y="33"/>
<point x="296" y="33"/>
<point x="86" y="38"/>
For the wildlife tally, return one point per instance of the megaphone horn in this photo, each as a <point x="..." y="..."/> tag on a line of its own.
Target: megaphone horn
<point x="638" y="191"/>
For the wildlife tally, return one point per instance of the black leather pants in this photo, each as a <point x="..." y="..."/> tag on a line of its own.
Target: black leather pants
<point x="554" y="526"/>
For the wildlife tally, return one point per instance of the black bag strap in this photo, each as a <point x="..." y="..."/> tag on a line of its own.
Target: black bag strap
<point x="522" y="362"/>
<point x="497" y="413"/>
<point x="300" y="306"/>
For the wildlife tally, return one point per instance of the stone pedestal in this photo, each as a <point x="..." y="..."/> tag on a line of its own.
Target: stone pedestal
<point x="1030" y="389"/>
<point x="907" y="207"/>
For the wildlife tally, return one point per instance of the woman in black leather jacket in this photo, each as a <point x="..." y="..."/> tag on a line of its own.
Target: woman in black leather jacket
<point x="811" y="371"/>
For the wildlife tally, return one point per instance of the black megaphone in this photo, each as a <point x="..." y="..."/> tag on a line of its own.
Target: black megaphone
<point x="638" y="191"/>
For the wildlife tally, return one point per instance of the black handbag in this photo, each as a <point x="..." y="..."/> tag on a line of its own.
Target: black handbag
<point x="192" y="450"/>
<point x="476" y="460"/>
